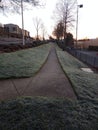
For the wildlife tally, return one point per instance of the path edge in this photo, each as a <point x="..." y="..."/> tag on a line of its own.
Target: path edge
<point x="67" y="76"/>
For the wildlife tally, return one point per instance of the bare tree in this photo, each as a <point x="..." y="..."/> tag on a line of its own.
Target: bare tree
<point x="65" y="13"/>
<point x="37" y="24"/>
<point x="43" y="31"/>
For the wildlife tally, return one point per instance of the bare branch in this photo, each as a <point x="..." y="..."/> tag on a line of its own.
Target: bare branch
<point x="14" y="6"/>
<point x="38" y="24"/>
<point x="65" y="12"/>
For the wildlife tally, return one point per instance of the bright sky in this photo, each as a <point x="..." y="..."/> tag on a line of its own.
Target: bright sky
<point x="88" y="20"/>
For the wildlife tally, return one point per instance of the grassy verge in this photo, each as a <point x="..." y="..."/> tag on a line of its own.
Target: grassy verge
<point x="47" y="114"/>
<point x="24" y="63"/>
<point x="85" y="84"/>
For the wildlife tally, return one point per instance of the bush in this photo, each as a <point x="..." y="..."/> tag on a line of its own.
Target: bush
<point x="15" y="47"/>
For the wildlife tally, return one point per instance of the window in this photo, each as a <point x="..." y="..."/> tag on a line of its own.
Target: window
<point x="14" y="29"/>
<point x="6" y="29"/>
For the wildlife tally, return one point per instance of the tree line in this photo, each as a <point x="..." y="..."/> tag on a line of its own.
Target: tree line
<point x="64" y="16"/>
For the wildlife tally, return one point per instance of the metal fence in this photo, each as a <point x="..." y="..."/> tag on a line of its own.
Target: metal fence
<point x="87" y="58"/>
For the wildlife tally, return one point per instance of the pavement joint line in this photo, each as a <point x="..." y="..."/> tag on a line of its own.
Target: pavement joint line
<point x="15" y="88"/>
<point x="27" y="86"/>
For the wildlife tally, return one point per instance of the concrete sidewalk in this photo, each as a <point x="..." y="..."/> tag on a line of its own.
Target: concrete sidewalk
<point x="50" y="82"/>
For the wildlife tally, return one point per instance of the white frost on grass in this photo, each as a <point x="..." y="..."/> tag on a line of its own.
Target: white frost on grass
<point x="23" y="63"/>
<point x="89" y="70"/>
<point x="85" y="84"/>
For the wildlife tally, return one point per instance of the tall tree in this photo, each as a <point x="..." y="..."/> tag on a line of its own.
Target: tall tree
<point x="37" y="24"/>
<point x="58" y="30"/>
<point x="43" y="31"/>
<point x="65" y="13"/>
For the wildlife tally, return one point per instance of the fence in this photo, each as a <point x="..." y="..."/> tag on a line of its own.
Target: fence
<point x="85" y="57"/>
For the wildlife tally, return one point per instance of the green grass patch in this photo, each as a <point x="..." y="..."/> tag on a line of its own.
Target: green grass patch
<point x="24" y="63"/>
<point x="47" y="114"/>
<point x="85" y="84"/>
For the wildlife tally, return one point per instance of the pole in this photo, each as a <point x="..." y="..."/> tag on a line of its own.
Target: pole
<point x="77" y="28"/>
<point x="0" y="4"/>
<point x="78" y="6"/>
<point x="22" y="22"/>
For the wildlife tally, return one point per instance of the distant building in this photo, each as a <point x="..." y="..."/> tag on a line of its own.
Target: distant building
<point x="12" y="28"/>
<point x="26" y="33"/>
<point x="1" y="29"/>
<point x="1" y="25"/>
<point x="15" y="29"/>
<point x="87" y="42"/>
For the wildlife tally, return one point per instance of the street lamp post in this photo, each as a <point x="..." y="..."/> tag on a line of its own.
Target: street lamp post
<point x="1" y="4"/>
<point x="22" y="22"/>
<point x="78" y="6"/>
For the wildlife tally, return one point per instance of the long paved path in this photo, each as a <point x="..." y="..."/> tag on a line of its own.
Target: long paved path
<point x="50" y="82"/>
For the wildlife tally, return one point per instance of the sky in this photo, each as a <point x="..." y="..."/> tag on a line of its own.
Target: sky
<point x="87" y="21"/>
